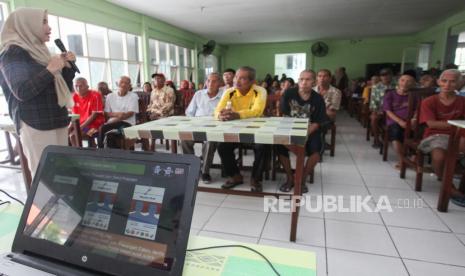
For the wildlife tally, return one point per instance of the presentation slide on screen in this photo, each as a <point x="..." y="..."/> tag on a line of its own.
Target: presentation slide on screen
<point x="100" y="204"/>
<point x="145" y="212"/>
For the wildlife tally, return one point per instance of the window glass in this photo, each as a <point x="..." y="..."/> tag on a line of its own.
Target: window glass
<point x="98" y="72"/>
<point x="53" y="23"/>
<point x="173" y="55"/>
<point x="96" y="40"/>
<point x="116" y="44"/>
<point x="72" y="34"/>
<point x="133" y="47"/>
<point x="290" y="64"/>
<point x="118" y="69"/>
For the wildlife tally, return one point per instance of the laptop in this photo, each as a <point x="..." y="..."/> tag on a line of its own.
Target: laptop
<point x="105" y="212"/>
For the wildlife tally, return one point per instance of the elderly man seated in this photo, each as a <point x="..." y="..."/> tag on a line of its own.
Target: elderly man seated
<point x="245" y="100"/>
<point x="88" y="104"/>
<point x="162" y="98"/>
<point x="204" y="103"/>
<point x="120" y="109"/>
<point x="435" y="112"/>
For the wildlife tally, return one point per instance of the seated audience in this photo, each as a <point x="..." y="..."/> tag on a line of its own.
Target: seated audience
<point x="287" y="84"/>
<point x="102" y="87"/>
<point x="303" y="102"/>
<point x="340" y="79"/>
<point x="204" y="103"/>
<point x="374" y="80"/>
<point x="147" y="87"/>
<point x="376" y="102"/>
<point x="395" y="104"/>
<point x="245" y="100"/>
<point x="120" y="109"/>
<point x="228" y="78"/>
<point x="330" y="94"/>
<point x="162" y="98"/>
<point x="186" y="93"/>
<point x="435" y="111"/>
<point x="88" y="104"/>
<point x="427" y="81"/>
<point x="275" y="88"/>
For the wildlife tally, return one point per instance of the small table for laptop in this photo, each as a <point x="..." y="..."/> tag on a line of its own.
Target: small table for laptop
<point x="7" y="125"/>
<point x="450" y="162"/>
<point x="213" y="262"/>
<point x="291" y="132"/>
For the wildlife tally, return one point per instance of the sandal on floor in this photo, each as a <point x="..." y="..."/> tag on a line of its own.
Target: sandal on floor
<point x="304" y="189"/>
<point x="256" y="188"/>
<point x="285" y="187"/>
<point x="458" y="200"/>
<point x="229" y="184"/>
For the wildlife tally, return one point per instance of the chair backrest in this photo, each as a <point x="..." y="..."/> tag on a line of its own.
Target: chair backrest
<point x="272" y="109"/>
<point x="144" y="101"/>
<point x="416" y="96"/>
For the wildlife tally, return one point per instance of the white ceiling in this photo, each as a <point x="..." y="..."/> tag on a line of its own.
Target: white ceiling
<point x="247" y="21"/>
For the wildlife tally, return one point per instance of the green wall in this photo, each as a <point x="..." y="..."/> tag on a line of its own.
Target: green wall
<point x="353" y="54"/>
<point x="437" y="35"/>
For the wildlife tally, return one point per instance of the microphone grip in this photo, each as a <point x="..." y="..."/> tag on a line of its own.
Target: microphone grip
<point x="62" y="48"/>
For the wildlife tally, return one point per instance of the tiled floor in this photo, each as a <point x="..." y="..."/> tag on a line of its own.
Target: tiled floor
<point x="408" y="241"/>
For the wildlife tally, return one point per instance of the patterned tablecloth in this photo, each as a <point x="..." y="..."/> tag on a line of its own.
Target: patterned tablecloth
<point x="264" y="130"/>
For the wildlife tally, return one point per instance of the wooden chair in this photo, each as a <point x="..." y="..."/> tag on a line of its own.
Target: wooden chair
<point x="413" y="135"/>
<point x="366" y="116"/>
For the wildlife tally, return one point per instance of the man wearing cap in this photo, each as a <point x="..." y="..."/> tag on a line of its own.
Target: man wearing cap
<point x="162" y="98"/>
<point x="376" y="102"/>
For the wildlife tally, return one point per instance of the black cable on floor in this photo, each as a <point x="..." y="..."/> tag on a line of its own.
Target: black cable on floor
<point x="12" y="197"/>
<point x="240" y="246"/>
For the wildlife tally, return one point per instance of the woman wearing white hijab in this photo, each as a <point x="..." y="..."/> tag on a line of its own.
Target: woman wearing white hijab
<point x="36" y="84"/>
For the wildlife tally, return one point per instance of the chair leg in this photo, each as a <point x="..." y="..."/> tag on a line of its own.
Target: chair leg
<point x="385" y="145"/>
<point x="403" y="163"/>
<point x="368" y="131"/>
<point x="462" y="183"/>
<point x="333" y="141"/>
<point x="312" y="176"/>
<point x="419" y="173"/>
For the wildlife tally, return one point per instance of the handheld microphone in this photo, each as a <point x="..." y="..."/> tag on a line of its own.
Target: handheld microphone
<point x="60" y="46"/>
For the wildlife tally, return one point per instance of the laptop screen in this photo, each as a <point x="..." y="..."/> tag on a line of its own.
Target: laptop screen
<point x="128" y="210"/>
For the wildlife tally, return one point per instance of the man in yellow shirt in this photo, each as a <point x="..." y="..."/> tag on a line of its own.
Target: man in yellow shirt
<point x="243" y="100"/>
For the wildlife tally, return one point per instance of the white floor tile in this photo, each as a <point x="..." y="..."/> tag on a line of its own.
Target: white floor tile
<point x="385" y="182"/>
<point x="454" y="219"/>
<point x="210" y="199"/>
<point x="428" y="246"/>
<point x="202" y="214"/>
<point x="345" y="263"/>
<point x="361" y="237"/>
<point x="244" y="202"/>
<point x="310" y="231"/>
<point x="236" y="221"/>
<point x="419" y="218"/>
<point x="418" y="268"/>
<point x="229" y="237"/>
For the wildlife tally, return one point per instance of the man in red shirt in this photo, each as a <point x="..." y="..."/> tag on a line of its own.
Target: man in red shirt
<point x="88" y="104"/>
<point x="435" y="111"/>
